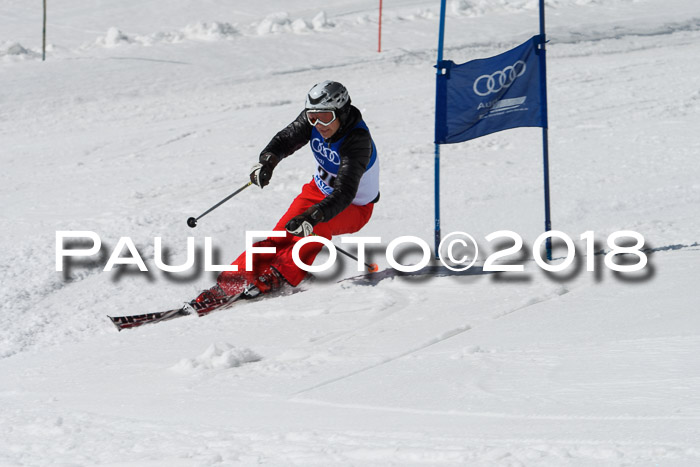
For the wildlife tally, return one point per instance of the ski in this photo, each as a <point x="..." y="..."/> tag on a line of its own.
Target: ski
<point x="370" y="279"/>
<point x="204" y="308"/>
<point x="132" y="321"/>
<point x="374" y="278"/>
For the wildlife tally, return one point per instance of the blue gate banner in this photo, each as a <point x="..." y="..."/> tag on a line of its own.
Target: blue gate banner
<point x="487" y="95"/>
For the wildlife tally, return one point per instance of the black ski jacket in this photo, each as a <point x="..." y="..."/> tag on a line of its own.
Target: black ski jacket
<point x="355" y="153"/>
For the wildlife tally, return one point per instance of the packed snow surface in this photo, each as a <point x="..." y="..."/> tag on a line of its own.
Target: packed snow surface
<point x="146" y="113"/>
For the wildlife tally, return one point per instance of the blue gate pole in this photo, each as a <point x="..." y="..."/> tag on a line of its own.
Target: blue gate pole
<point x="441" y="40"/>
<point x="545" y="130"/>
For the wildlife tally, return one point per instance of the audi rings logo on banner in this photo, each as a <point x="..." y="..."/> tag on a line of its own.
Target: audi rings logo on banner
<point x="324" y="151"/>
<point x="489" y="84"/>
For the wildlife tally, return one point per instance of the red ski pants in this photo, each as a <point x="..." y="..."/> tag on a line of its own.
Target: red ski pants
<point x="350" y="220"/>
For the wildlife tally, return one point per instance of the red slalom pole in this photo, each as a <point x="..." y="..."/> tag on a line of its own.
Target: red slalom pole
<point x="379" y="46"/>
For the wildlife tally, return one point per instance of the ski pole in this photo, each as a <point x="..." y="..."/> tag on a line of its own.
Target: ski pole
<point x="192" y="222"/>
<point x="372" y="267"/>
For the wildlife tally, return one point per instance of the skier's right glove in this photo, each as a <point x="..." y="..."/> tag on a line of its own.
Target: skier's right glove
<point x="261" y="173"/>
<point x="303" y="224"/>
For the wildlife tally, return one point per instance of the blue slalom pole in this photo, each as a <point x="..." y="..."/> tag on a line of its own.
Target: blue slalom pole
<point x="441" y="40"/>
<point x="545" y="130"/>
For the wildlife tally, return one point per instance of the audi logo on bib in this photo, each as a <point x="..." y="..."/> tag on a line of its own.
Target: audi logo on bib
<point x="502" y="79"/>
<point x="324" y="151"/>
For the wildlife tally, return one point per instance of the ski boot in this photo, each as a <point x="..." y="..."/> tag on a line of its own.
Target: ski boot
<point x="208" y="300"/>
<point x="269" y="281"/>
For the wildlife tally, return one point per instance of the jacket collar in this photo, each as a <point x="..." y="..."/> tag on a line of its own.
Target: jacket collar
<point x="347" y="123"/>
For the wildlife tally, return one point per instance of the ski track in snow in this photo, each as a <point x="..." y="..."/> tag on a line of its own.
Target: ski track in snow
<point x="151" y="443"/>
<point x="418" y="347"/>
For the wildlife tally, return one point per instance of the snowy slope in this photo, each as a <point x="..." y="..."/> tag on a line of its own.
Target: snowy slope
<point x="145" y="114"/>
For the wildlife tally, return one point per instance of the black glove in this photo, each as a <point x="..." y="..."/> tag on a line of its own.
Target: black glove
<point x="261" y="173"/>
<point x="303" y="224"/>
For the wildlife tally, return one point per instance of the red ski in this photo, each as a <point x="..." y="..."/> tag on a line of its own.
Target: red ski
<point x="132" y="321"/>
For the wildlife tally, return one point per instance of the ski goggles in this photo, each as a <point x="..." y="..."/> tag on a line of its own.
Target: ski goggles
<point x="324" y="117"/>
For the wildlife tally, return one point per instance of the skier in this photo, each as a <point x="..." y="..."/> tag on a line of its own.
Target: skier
<point x="338" y="200"/>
